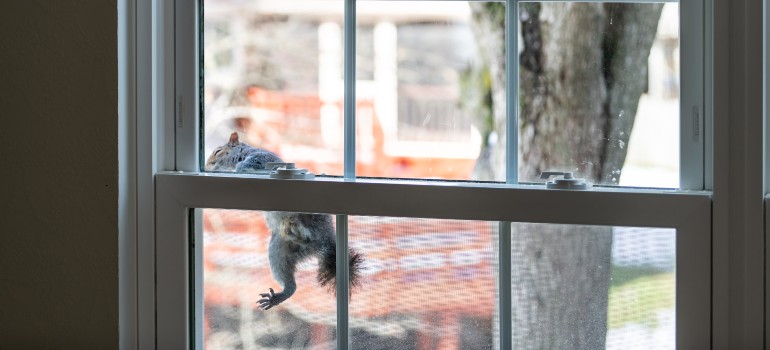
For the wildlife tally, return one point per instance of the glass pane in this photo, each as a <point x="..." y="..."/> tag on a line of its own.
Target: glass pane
<point x="592" y="287"/>
<point x="426" y="284"/>
<point x="431" y="284"/>
<point x="272" y="73"/>
<point x="599" y="92"/>
<point x="420" y="86"/>
<point x="237" y="268"/>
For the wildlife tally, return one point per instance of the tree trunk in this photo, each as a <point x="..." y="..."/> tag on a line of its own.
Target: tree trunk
<point x="489" y="28"/>
<point x="582" y="70"/>
<point x="560" y="277"/>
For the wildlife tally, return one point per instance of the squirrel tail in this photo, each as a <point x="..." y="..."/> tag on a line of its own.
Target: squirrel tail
<point x="327" y="268"/>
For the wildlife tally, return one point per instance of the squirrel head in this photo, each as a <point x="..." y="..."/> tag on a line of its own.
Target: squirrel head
<point x="222" y="158"/>
<point x="239" y="157"/>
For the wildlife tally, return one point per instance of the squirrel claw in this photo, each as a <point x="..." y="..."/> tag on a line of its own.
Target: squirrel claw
<point x="269" y="300"/>
<point x="268" y="295"/>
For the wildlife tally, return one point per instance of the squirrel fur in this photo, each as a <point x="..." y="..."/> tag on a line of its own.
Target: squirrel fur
<point x="294" y="237"/>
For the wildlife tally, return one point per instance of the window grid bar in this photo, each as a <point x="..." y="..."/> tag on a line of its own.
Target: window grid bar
<point x="511" y="170"/>
<point x="512" y="93"/>
<point x="349" y="165"/>
<point x="342" y="279"/>
<point x="196" y="262"/>
<point x="349" y="113"/>
<point x="504" y="285"/>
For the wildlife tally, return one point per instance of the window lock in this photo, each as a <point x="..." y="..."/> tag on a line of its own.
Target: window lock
<point x="288" y="171"/>
<point x="564" y="182"/>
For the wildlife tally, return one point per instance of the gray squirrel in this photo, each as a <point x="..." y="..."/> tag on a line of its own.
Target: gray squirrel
<point x="294" y="237"/>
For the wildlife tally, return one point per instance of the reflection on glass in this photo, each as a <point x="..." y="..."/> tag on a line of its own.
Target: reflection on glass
<point x="271" y="72"/>
<point x="417" y="88"/>
<point x="432" y="284"/>
<point x="599" y="92"/>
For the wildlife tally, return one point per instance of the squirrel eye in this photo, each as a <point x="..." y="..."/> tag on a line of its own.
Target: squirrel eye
<point x="217" y="152"/>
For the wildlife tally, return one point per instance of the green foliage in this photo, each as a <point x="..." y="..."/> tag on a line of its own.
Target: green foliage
<point x="637" y="301"/>
<point x="622" y="275"/>
<point x="493" y="11"/>
<point x="476" y="99"/>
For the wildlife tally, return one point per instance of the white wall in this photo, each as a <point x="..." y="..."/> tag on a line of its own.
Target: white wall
<point x="59" y="174"/>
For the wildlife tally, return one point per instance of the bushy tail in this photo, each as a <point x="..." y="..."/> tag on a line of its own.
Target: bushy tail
<point x="327" y="268"/>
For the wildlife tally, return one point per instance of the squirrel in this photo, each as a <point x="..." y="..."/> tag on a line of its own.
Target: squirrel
<point x="294" y="237"/>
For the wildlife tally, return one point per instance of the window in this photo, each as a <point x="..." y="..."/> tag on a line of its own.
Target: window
<point x="500" y="210"/>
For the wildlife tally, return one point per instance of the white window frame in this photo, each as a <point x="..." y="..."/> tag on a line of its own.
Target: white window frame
<point x="162" y="163"/>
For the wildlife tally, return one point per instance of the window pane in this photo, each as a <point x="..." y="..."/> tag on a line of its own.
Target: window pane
<point x="427" y="284"/>
<point x="614" y="284"/>
<point x="418" y="87"/>
<point x="236" y="270"/>
<point x="272" y="72"/>
<point x="599" y="92"/>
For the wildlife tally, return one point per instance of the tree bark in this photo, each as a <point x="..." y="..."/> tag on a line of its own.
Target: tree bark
<point x="582" y="70"/>
<point x="560" y="278"/>
<point x="489" y="28"/>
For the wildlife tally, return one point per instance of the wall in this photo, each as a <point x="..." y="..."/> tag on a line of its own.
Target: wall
<point x="58" y="187"/>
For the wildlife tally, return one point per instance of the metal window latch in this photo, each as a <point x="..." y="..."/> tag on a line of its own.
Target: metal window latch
<point x="564" y="182"/>
<point x="288" y="171"/>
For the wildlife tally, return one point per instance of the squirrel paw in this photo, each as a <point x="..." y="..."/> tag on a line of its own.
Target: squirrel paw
<point x="270" y="299"/>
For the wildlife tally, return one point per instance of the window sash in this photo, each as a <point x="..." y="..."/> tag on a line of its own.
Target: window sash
<point x="689" y="213"/>
<point x="693" y="115"/>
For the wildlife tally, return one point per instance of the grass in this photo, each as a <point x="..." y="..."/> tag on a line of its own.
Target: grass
<point x="637" y="298"/>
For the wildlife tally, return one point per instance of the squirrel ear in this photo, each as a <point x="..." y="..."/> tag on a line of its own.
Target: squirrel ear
<point x="233" y="139"/>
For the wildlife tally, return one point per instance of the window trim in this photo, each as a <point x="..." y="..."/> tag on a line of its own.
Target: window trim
<point x="145" y="90"/>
